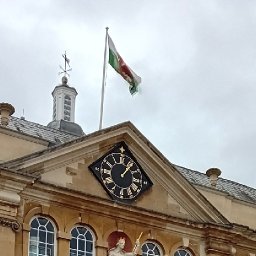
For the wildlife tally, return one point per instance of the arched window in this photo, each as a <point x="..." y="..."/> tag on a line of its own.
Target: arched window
<point x="67" y="100"/>
<point x="41" y="237"/>
<point x="67" y="97"/>
<point x="151" y="249"/>
<point x="182" y="252"/>
<point x="82" y="242"/>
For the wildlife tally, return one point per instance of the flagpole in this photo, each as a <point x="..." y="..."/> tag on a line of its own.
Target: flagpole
<point x="103" y="80"/>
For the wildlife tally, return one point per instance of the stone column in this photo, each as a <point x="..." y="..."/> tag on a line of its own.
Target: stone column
<point x="63" y="243"/>
<point x="7" y="241"/>
<point x="102" y="249"/>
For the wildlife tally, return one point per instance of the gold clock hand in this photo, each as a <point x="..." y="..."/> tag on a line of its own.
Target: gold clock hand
<point x="126" y="169"/>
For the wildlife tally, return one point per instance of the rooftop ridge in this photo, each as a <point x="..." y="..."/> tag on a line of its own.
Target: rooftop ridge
<point x="236" y="190"/>
<point x="219" y="178"/>
<point x="39" y="131"/>
<point x="42" y="126"/>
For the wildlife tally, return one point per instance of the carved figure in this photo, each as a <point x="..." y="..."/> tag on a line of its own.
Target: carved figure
<point x="119" y="249"/>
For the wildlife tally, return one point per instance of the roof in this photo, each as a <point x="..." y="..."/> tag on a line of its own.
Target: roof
<point x="234" y="189"/>
<point x="66" y="126"/>
<point x="57" y="137"/>
<point x="39" y="131"/>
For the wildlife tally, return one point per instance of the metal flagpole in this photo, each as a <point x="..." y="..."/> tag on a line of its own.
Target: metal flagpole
<point x="103" y="80"/>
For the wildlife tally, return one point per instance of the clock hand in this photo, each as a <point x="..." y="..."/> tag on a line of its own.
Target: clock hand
<point x="126" y="169"/>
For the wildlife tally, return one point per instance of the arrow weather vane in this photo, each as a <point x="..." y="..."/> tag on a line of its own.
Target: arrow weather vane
<point x="65" y="70"/>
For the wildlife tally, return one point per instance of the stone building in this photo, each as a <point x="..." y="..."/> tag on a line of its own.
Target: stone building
<point x="64" y="193"/>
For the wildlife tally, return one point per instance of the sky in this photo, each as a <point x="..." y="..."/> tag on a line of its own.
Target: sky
<point x="196" y="58"/>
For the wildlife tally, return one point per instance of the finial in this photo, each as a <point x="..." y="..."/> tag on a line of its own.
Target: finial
<point x="65" y="70"/>
<point x="6" y="110"/>
<point x="64" y="80"/>
<point x="23" y="116"/>
<point x="213" y="174"/>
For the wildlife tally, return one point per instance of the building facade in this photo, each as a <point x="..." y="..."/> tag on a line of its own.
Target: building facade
<point x="66" y="193"/>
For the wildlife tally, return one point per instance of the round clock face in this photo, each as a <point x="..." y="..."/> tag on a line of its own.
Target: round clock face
<point x="121" y="176"/>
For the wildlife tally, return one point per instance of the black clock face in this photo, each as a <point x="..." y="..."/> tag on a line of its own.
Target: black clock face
<point x="120" y="174"/>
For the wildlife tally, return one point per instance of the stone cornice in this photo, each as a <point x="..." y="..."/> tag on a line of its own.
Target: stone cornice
<point x="74" y="199"/>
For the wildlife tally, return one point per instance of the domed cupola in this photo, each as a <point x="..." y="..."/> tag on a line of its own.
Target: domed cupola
<point x="64" y="97"/>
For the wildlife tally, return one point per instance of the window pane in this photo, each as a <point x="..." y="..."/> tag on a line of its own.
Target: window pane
<point x="80" y="253"/>
<point x="41" y="248"/>
<point x="88" y="236"/>
<point x="49" y="227"/>
<point x="33" y="247"/>
<point x="33" y="234"/>
<point x="42" y="236"/>
<point x="81" y="230"/>
<point x="50" y="238"/>
<point x="50" y="250"/>
<point x="72" y="253"/>
<point x="89" y="246"/>
<point x="150" y="246"/>
<point x="74" y="232"/>
<point x="182" y="252"/>
<point x="73" y="243"/>
<point x="34" y="223"/>
<point x="81" y="245"/>
<point x="42" y="221"/>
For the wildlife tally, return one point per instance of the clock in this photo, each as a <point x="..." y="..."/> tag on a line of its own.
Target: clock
<point x="120" y="174"/>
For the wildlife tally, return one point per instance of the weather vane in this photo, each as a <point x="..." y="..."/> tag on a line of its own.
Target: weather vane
<point x="67" y="61"/>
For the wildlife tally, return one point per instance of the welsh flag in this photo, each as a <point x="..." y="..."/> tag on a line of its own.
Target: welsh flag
<point x="116" y="61"/>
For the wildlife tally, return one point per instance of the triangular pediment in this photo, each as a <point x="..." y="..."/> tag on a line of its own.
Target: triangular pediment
<point x="67" y="167"/>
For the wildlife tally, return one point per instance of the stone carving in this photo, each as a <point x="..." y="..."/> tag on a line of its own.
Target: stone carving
<point x="118" y="250"/>
<point x="13" y="224"/>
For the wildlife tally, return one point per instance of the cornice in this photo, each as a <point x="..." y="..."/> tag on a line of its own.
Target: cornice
<point x="70" y="198"/>
<point x="90" y="204"/>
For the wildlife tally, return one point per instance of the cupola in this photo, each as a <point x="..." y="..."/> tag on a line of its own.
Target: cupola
<point x="64" y="98"/>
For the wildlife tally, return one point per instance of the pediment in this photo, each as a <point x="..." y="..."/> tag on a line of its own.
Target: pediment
<point x="66" y="166"/>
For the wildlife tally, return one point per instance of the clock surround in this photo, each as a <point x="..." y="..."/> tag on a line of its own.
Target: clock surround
<point x="120" y="174"/>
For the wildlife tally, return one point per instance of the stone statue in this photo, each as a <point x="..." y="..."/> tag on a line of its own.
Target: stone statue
<point x="119" y="249"/>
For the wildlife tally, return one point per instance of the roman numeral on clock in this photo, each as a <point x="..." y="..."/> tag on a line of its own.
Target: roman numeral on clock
<point x="108" y="180"/>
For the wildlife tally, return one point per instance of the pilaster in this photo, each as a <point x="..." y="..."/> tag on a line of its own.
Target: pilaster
<point x="63" y="243"/>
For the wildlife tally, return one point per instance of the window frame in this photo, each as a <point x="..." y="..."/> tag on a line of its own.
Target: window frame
<point x="93" y="253"/>
<point x="187" y="250"/>
<point x="157" y="245"/>
<point x="54" y="234"/>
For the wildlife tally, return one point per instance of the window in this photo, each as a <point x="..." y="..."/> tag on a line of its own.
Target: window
<point x="66" y="118"/>
<point x="54" y="108"/>
<point x="67" y="97"/>
<point x="67" y="100"/>
<point x="150" y="249"/>
<point x="82" y="242"/>
<point x="67" y="107"/>
<point x="41" y="237"/>
<point x="182" y="252"/>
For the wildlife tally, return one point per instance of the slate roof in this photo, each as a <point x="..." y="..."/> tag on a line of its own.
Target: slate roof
<point x="234" y="189"/>
<point x="51" y="135"/>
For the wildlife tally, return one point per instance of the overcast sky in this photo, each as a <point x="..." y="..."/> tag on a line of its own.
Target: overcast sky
<point x="196" y="58"/>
